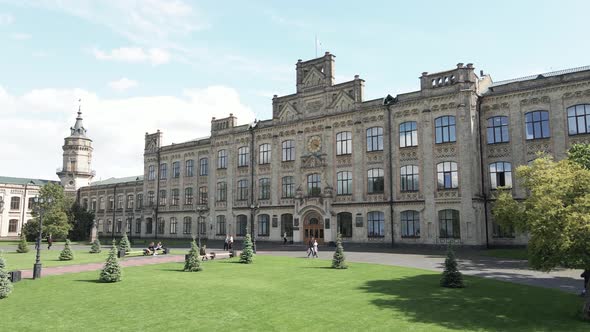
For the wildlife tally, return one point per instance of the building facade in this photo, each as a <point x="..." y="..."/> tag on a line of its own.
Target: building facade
<point x="418" y="168"/>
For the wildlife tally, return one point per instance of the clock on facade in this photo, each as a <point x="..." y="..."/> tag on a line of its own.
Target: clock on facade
<point x="314" y="144"/>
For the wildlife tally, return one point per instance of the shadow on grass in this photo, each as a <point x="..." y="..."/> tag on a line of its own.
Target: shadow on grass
<point x="319" y="267"/>
<point x="92" y="281"/>
<point x="482" y="305"/>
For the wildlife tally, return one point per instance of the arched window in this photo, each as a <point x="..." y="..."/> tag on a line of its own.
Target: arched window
<point x="149" y="224"/>
<point x="449" y="224"/>
<point x="288" y="187"/>
<point x="264" y="157"/>
<point x="314" y="187"/>
<point x="173" y="225"/>
<point x="445" y="129"/>
<point x="221" y="191"/>
<point x="287" y="224"/>
<point x="375" y="223"/>
<point x="151" y="172"/>
<point x="138" y="225"/>
<point x="264" y="188"/>
<point x="578" y="119"/>
<point x="288" y="150"/>
<point x="163" y="171"/>
<point x="498" y="130"/>
<point x="203" y="167"/>
<point x="188" y="196"/>
<point x="344" y="183"/>
<point x="409" y="178"/>
<point x="448" y="176"/>
<point x="222" y="159"/>
<point x="187" y="225"/>
<point x="375" y="139"/>
<point x="410" y="223"/>
<point x="537" y="124"/>
<point x="242" y="190"/>
<point x="220" y="229"/>
<point x="176" y="169"/>
<point x="243" y="156"/>
<point x="344" y="224"/>
<point x="344" y="143"/>
<point x="203" y="195"/>
<point x="375" y="182"/>
<point x="161" y="225"/>
<point x="408" y="134"/>
<point x="201" y="225"/>
<point x="263" y="224"/>
<point x="500" y="175"/>
<point x="189" y="167"/>
<point x="242" y="225"/>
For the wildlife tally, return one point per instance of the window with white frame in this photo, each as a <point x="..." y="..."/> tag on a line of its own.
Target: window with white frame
<point x="500" y="175"/>
<point x="375" y="139"/>
<point x="344" y="183"/>
<point x="222" y="159"/>
<point x="445" y="129"/>
<point x="408" y="134"/>
<point x="288" y="150"/>
<point x="448" y="175"/>
<point x="375" y="223"/>
<point x="243" y="156"/>
<point x="410" y="221"/>
<point x="409" y="178"/>
<point x="264" y="154"/>
<point x="375" y="181"/>
<point x="344" y="143"/>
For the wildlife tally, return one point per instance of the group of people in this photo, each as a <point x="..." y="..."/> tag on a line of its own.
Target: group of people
<point x="228" y="244"/>
<point x="153" y="248"/>
<point x="312" y="248"/>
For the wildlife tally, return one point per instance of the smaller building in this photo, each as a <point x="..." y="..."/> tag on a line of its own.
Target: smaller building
<point x="16" y="203"/>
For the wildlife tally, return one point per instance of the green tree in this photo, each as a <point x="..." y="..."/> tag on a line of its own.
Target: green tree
<point x="81" y="222"/>
<point x="55" y="215"/>
<point x="247" y="255"/>
<point x="192" y="262"/>
<point x="5" y="284"/>
<point x="95" y="248"/>
<point x="451" y="277"/>
<point x="23" y="246"/>
<point x="338" y="259"/>
<point x="124" y="243"/>
<point x="580" y="153"/>
<point x="66" y="254"/>
<point x="111" y="272"/>
<point x="556" y="215"/>
<point x="2" y="260"/>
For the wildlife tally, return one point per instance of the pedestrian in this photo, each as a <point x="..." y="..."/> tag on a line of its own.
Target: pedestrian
<point x="310" y="248"/>
<point x="49" y="241"/>
<point x="226" y="243"/>
<point x="231" y="242"/>
<point x="315" y="248"/>
<point x="285" y="238"/>
<point x="586" y="276"/>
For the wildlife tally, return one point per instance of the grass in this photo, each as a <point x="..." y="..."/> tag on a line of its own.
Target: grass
<point x="511" y="253"/>
<point x="287" y="294"/>
<point x="16" y="261"/>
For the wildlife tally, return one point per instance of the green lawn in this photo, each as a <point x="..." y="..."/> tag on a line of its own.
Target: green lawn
<point x="511" y="253"/>
<point x="16" y="261"/>
<point x="281" y="293"/>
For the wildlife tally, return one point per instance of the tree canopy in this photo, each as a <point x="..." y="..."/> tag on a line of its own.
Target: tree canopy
<point x="55" y="215"/>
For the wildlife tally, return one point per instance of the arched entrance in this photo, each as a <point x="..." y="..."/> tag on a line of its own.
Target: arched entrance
<point x="313" y="227"/>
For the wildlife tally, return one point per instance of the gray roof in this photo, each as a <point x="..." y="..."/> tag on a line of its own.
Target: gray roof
<point x="117" y="180"/>
<point x="24" y="181"/>
<point x="549" y="74"/>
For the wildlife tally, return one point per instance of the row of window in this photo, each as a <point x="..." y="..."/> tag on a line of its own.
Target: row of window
<point x="15" y="203"/>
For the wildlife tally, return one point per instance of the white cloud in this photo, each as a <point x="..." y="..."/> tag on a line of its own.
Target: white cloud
<point x="133" y="55"/>
<point x="35" y="123"/>
<point x="122" y="84"/>
<point x="6" y="19"/>
<point x="21" y="36"/>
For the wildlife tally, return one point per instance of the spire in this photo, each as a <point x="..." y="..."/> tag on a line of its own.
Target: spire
<point x="78" y="128"/>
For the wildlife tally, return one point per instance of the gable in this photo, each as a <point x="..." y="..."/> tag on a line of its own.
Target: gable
<point x="343" y="102"/>
<point x="288" y="113"/>
<point x="313" y="78"/>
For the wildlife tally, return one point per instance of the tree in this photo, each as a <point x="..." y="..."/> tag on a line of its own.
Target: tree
<point x="451" y="276"/>
<point x="192" y="262"/>
<point x="5" y="284"/>
<point x="111" y="272"/>
<point x="55" y="215"/>
<point x="124" y="243"/>
<point x="66" y="254"/>
<point x="580" y="153"/>
<point x="338" y="260"/>
<point x="23" y="246"/>
<point x="247" y="255"/>
<point x="81" y="222"/>
<point x="556" y="214"/>
<point x="95" y="248"/>
<point x="2" y="261"/>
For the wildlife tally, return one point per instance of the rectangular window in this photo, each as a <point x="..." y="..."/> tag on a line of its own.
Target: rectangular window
<point x="448" y="176"/>
<point x="173" y="224"/>
<point x="151" y="198"/>
<point x="314" y="185"/>
<point x="221" y="191"/>
<point x="119" y="202"/>
<point x="130" y="201"/>
<point x="175" y="197"/>
<point x="288" y="150"/>
<point x="151" y="172"/>
<point x="163" y="171"/>
<point x="119" y="225"/>
<point x="445" y="129"/>
<point x="408" y="134"/>
<point x="410" y="223"/>
<point x="263" y="224"/>
<point x="409" y="178"/>
<point x="203" y="196"/>
<point x="12" y="225"/>
<point x="138" y="225"/>
<point x="139" y="201"/>
<point x="500" y="175"/>
<point x="344" y="183"/>
<point x="288" y="187"/>
<point x="244" y="156"/>
<point x="161" y="225"/>
<point x="190" y="165"/>
<point x="176" y="169"/>
<point x="203" y="167"/>
<point x="578" y="119"/>
<point x="537" y="125"/>
<point x="186" y="225"/>
<point x="449" y="224"/>
<point x="93" y="205"/>
<point x="221" y="225"/>
<point x="242" y="190"/>
<point x="162" y="197"/>
<point x="111" y="203"/>
<point x="375" y="139"/>
<point x="221" y="159"/>
<point x="264" y="157"/>
<point x="497" y="130"/>
<point x="375" y="223"/>
<point x="149" y="224"/>
<point x="264" y="187"/>
<point x="344" y="143"/>
<point x="109" y="226"/>
<point x="202" y="226"/>
<point x="375" y="181"/>
<point x="344" y="224"/>
<point x="15" y="203"/>
<point x="188" y="196"/>
<point x="242" y="225"/>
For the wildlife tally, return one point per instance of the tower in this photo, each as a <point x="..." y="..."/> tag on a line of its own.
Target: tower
<point x="76" y="169"/>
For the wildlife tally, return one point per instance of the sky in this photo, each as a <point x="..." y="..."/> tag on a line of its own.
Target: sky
<point x="143" y="65"/>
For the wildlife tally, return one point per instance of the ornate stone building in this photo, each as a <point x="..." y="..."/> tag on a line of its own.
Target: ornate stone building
<point x="418" y="168"/>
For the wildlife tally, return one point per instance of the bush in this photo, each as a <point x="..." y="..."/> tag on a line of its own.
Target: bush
<point x="124" y="243"/>
<point x="2" y="261"/>
<point x="5" y="284"/>
<point x="66" y="254"/>
<point x="451" y="276"/>
<point x="95" y="248"/>
<point x="193" y="260"/>
<point x="111" y="272"/>
<point x="247" y="255"/>
<point x="23" y="246"/>
<point x="338" y="260"/>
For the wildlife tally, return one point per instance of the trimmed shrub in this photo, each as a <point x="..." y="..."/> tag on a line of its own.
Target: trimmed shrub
<point x="5" y="284"/>
<point x="23" y="246"/>
<point x="66" y="254"/>
<point x="247" y="255"/>
<point x="193" y="260"/>
<point x="124" y="243"/>
<point x="95" y="248"/>
<point x="111" y="272"/>
<point x="338" y="259"/>
<point x="451" y="276"/>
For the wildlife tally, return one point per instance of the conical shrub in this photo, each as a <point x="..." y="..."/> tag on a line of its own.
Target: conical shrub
<point x="66" y="254"/>
<point x="2" y="260"/>
<point x="193" y="259"/>
<point x="23" y="246"/>
<point x="95" y="248"/>
<point x="111" y="272"/>
<point x="247" y="255"/>
<point x="338" y="259"/>
<point x="124" y="243"/>
<point x="5" y="284"/>
<point x="451" y="277"/>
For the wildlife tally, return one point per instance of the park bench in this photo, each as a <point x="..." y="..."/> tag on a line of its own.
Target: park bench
<point x="142" y="252"/>
<point x="213" y="255"/>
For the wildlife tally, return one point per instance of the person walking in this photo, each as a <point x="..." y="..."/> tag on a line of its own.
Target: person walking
<point x="315" y="248"/>
<point x="226" y="243"/>
<point x="49" y="241"/>
<point x="586" y="276"/>
<point x="310" y="248"/>
<point x="285" y="238"/>
<point x="231" y="242"/>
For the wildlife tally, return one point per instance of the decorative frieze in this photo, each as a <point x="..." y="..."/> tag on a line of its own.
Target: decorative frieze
<point x="448" y="194"/>
<point x="445" y="151"/>
<point x="498" y="151"/>
<point x="533" y="147"/>
<point x="407" y="154"/>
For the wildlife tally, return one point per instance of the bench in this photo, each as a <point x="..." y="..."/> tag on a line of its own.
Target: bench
<point x="212" y="256"/>
<point x="123" y="253"/>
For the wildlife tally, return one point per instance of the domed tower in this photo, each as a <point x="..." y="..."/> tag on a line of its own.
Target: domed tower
<point x="76" y="170"/>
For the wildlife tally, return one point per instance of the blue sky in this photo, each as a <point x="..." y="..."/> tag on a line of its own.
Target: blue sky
<point x="144" y="65"/>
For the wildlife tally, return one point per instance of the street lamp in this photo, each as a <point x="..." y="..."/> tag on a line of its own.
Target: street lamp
<point x="200" y="210"/>
<point x="253" y="208"/>
<point x="39" y="201"/>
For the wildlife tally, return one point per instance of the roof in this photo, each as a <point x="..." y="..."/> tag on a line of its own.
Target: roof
<point x="24" y="181"/>
<point x="549" y="74"/>
<point x="117" y="180"/>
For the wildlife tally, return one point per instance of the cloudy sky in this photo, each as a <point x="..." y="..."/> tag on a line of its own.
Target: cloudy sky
<point x="143" y="65"/>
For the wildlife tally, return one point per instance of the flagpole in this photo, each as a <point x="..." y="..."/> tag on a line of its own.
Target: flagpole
<point x="316" y="46"/>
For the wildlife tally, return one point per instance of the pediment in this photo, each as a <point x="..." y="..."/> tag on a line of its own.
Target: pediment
<point x="313" y="78"/>
<point x="288" y="113"/>
<point x="313" y="161"/>
<point x="343" y="102"/>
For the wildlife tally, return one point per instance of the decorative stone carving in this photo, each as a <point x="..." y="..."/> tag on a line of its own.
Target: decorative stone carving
<point x="408" y="154"/>
<point x="499" y="151"/>
<point x="313" y="161"/>
<point x="533" y="147"/>
<point x="448" y="194"/>
<point x="445" y="150"/>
